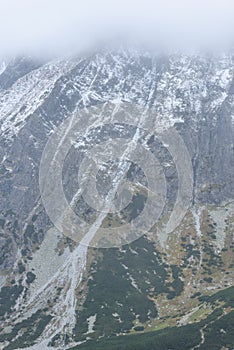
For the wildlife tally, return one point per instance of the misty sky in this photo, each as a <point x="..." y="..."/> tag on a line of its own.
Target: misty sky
<point x="61" y="26"/>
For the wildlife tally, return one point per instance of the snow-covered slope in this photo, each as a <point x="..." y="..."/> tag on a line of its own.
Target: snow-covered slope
<point x="193" y="93"/>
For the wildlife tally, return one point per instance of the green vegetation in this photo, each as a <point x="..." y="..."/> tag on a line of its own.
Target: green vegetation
<point x="168" y="338"/>
<point x="8" y="297"/>
<point x="218" y="328"/>
<point x="33" y="327"/>
<point x="220" y="333"/>
<point x="226" y="295"/>
<point x="122" y="287"/>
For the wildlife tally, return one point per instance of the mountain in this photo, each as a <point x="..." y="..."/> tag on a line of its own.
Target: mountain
<point x="57" y="292"/>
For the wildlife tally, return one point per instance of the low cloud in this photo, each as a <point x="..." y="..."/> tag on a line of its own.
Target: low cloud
<point x="58" y="27"/>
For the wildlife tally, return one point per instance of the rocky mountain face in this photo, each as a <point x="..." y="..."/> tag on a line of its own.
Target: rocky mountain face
<point x="56" y="292"/>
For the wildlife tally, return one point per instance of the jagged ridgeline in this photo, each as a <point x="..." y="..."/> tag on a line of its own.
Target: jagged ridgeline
<point x="162" y="291"/>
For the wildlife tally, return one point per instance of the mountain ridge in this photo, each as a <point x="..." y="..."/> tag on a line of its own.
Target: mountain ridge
<point x="192" y="93"/>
